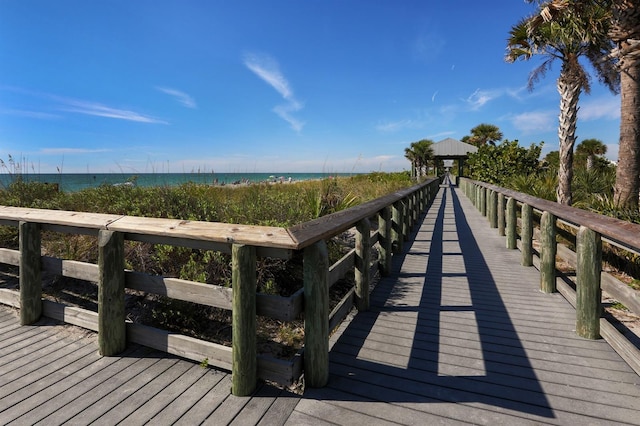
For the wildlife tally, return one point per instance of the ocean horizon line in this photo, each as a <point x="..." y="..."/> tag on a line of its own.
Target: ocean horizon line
<point x="72" y="182"/>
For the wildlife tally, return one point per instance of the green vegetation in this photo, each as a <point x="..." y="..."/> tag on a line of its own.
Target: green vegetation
<point x="499" y="164"/>
<point x="280" y="205"/>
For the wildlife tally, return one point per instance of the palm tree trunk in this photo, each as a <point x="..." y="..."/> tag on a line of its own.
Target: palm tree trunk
<point x="590" y="162"/>
<point x="627" y="184"/>
<point x="625" y="27"/>
<point x="569" y="89"/>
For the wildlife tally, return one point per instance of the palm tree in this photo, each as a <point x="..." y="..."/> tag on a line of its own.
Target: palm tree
<point x="568" y="37"/>
<point x="419" y="154"/>
<point x="624" y="31"/>
<point x="484" y="133"/>
<point x="591" y="148"/>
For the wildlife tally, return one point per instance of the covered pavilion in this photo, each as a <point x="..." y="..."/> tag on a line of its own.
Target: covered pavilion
<point x="452" y="149"/>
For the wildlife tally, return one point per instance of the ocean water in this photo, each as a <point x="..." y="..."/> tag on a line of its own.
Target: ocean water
<point x="71" y="182"/>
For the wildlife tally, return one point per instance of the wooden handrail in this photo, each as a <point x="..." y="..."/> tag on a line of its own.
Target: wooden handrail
<point x="623" y="232"/>
<point x="396" y="213"/>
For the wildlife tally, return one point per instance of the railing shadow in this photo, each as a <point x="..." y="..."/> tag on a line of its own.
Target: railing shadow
<point x="413" y="356"/>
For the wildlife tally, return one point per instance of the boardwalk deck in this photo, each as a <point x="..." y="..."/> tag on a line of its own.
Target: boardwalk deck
<point x="459" y="334"/>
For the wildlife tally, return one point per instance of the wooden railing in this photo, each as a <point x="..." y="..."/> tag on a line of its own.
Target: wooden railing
<point x="590" y="229"/>
<point x="395" y="213"/>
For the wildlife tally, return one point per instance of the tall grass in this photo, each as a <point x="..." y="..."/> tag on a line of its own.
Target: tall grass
<point x="264" y="204"/>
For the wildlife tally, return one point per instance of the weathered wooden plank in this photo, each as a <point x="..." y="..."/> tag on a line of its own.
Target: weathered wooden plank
<point x="172" y="412"/>
<point x="256" y="408"/>
<point x="70" y="315"/>
<point x="342" y="309"/>
<point x="10" y="297"/>
<point x="282" y="371"/>
<point x="206" y="406"/>
<point x="338" y="270"/>
<point x="58" y="217"/>
<point x="175" y="288"/>
<point x="10" y="257"/>
<point x="178" y="344"/>
<point x="27" y="392"/>
<point x="264" y="236"/>
<point x="146" y="398"/>
<point x="71" y="268"/>
<point x="74" y="386"/>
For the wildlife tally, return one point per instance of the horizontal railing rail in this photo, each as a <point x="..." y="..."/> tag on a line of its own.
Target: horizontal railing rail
<point x="591" y="230"/>
<point x="396" y="213"/>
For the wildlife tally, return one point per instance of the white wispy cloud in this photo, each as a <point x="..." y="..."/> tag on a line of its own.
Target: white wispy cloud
<point x="267" y="68"/>
<point x="180" y="96"/>
<point x="100" y="110"/>
<point x="79" y="106"/>
<point x="534" y="121"/>
<point x="595" y="109"/>
<point x="479" y="98"/>
<point x="29" y="114"/>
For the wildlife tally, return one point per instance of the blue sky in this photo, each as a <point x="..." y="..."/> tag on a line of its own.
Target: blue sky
<point x="152" y="86"/>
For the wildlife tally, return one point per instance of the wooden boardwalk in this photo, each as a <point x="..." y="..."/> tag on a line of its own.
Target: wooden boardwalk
<point x="459" y="334"/>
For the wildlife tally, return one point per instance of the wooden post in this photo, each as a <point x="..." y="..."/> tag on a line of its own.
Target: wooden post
<point x="511" y="224"/>
<point x="476" y="196"/>
<point x="384" y="240"/>
<point x="588" y="292"/>
<point x="316" y="315"/>
<point x="483" y="201"/>
<point x="548" y="250"/>
<point x="493" y="209"/>
<point x="396" y="228"/>
<point x="527" y="235"/>
<point x="363" y="264"/>
<point x="244" y="370"/>
<point x="406" y="223"/>
<point x="30" y="273"/>
<point x="415" y="210"/>
<point x="501" y="217"/>
<point x="112" y="337"/>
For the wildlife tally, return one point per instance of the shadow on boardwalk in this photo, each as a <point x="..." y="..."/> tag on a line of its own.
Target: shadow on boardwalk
<point x="439" y="344"/>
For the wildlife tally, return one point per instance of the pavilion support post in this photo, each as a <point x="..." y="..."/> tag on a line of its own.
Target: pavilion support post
<point x="244" y="370"/>
<point x="316" y="315"/>
<point x="527" y="235"/>
<point x="30" y="273"/>
<point x="385" y="240"/>
<point x="588" y="292"/>
<point x="112" y="332"/>
<point x="500" y="215"/>
<point x="548" y="249"/>
<point x="363" y="264"/>
<point x="512" y="235"/>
